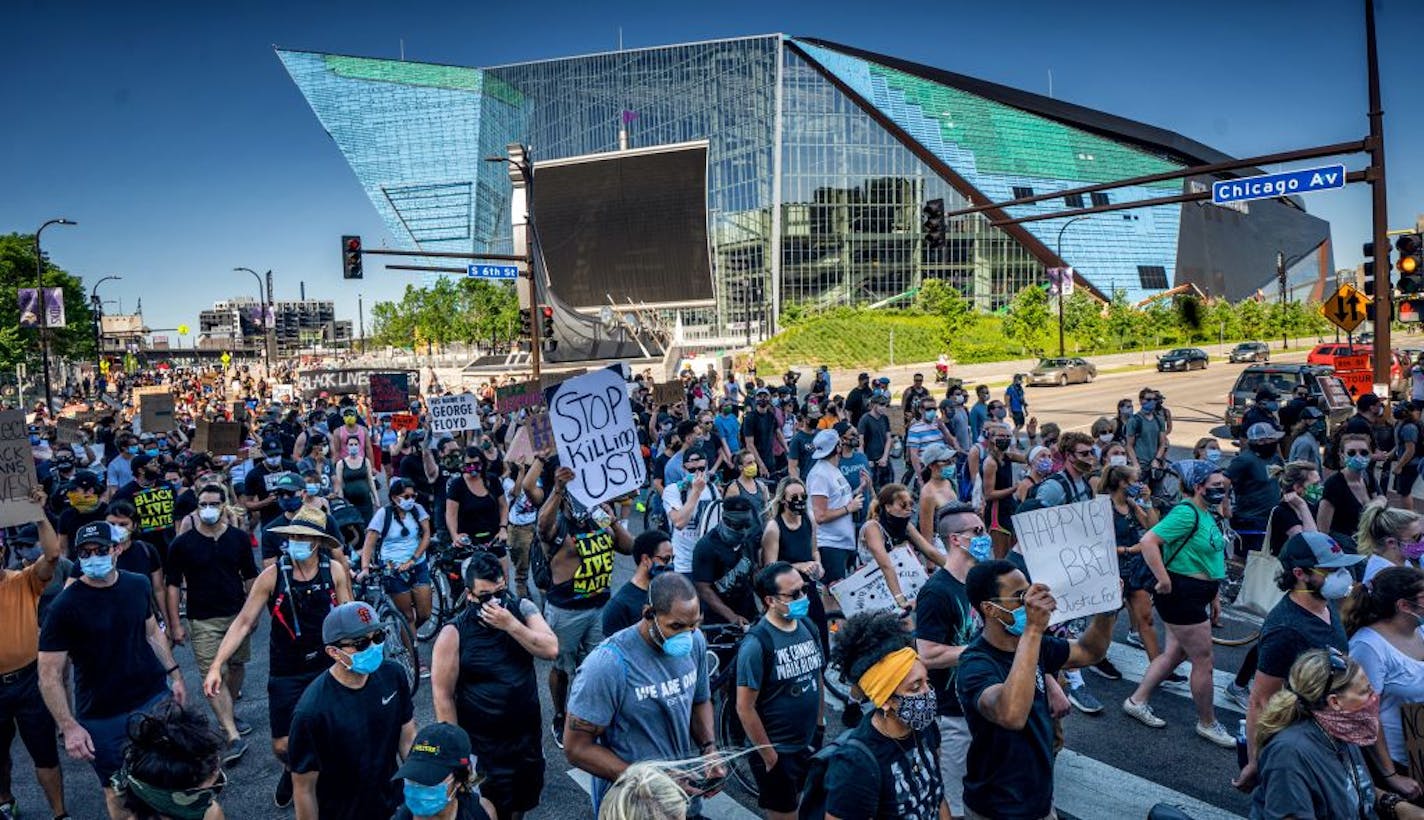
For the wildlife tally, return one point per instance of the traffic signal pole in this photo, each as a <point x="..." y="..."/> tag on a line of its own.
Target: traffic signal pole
<point x="1384" y="308"/>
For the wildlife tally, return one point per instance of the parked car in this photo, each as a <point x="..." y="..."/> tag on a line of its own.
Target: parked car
<point x="1250" y="352"/>
<point x="1183" y="358"/>
<point x="1366" y="338"/>
<point x="1283" y="378"/>
<point x="1062" y="372"/>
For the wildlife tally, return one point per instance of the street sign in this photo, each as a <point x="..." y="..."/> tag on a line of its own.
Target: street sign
<point x="226" y="359"/>
<point x="1345" y="308"/>
<point x="1266" y="186"/>
<point x="507" y="273"/>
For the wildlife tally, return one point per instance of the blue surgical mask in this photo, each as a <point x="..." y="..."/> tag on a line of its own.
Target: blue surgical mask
<point x="299" y="550"/>
<point x="151" y="452"/>
<point x="1213" y="455"/>
<point x="947" y="472"/>
<point x="425" y="801"/>
<point x="1020" y="621"/>
<point x="1149" y="406"/>
<point x="981" y="548"/>
<point x="313" y="489"/>
<point x="97" y="566"/>
<point x="798" y="609"/>
<point x="930" y="415"/>
<point x="367" y="660"/>
<point x="1273" y="406"/>
<point x="133" y="449"/>
<point x="1358" y="463"/>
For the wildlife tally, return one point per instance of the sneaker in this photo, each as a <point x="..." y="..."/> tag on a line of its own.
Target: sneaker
<point x="1175" y="679"/>
<point x="1083" y="699"/>
<point x="1238" y="695"/>
<point x="237" y="747"/>
<point x="1217" y="734"/>
<point x="1105" y="668"/>
<point x="1135" y="639"/>
<point x="282" y="797"/>
<point x="425" y="673"/>
<point x="557" y="730"/>
<point x="1144" y="713"/>
<point x="243" y="727"/>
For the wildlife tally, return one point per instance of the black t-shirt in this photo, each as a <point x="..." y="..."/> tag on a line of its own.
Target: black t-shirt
<point x="71" y="520"/>
<point x="215" y="569"/>
<point x="353" y="737"/>
<point x="857" y="402"/>
<point x="728" y="568"/>
<point x="259" y="482"/>
<point x="760" y="427"/>
<point x="478" y="514"/>
<point x="104" y="631"/>
<point x="624" y="609"/>
<point x="874" y="435"/>
<point x="785" y="670"/>
<point x="272" y="541"/>
<point x="906" y="785"/>
<point x="1253" y="489"/>
<point x="1289" y="630"/>
<point x="1346" y="518"/>
<point x="943" y="615"/>
<point x="185" y="504"/>
<point x="412" y="469"/>
<point x="1008" y="774"/>
<point x="1283" y="517"/>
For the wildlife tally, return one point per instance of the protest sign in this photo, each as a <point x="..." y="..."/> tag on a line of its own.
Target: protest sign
<point x="541" y="433"/>
<point x="401" y="422"/>
<point x="512" y="397"/>
<point x="519" y="450"/>
<point x="390" y="392"/>
<point x="1072" y="549"/>
<point x="353" y="381"/>
<point x="155" y="508"/>
<point x="865" y="589"/>
<point x="221" y="438"/>
<point x="596" y="436"/>
<point x="17" y="471"/>
<point x="668" y="393"/>
<point x="67" y="430"/>
<point x="1411" y="719"/>
<point x="156" y="411"/>
<point x="283" y="392"/>
<point x="548" y="380"/>
<point x="454" y="414"/>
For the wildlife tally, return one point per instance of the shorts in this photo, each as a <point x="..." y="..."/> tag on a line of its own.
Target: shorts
<point x="1188" y="603"/>
<point x="22" y="707"/>
<point x="283" y="692"/>
<point x="110" y="736"/>
<point x="1135" y="575"/>
<point x="513" y="770"/>
<point x="837" y="563"/>
<point x="780" y="788"/>
<point x="1018" y="422"/>
<point x="953" y="754"/>
<point x="400" y="583"/>
<point x="578" y="631"/>
<point x="206" y="636"/>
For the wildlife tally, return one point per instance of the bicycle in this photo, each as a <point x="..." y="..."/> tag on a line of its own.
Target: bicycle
<point x="723" y="643"/>
<point x="447" y="585"/>
<point x="399" y="645"/>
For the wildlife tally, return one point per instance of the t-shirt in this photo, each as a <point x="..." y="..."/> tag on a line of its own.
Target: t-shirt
<point x="1148" y="432"/>
<point x="1305" y="448"/>
<point x="1060" y="488"/>
<point x="412" y="469"/>
<point x="851" y="467"/>
<point x="260" y="482"/>
<point x="119" y="472"/>
<point x="1303" y="773"/>
<point x="874" y="435"/>
<point x="907" y="785"/>
<point x="1008" y="774"/>
<point x="402" y="537"/>
<point x="1346" y="518"/>
<point x="978" y="414"/>
<point x="358" y="756"/>
<point x="728" y="567"/>
<point x="760" y="427"/>
<point x="1290" y="629"/>
<point x="104" y="631"/>
<point x="475" y="515"/>
<point x="625" y="608"/>
<point x="1204" y="552"/>
<point x="1374" y="565"/>
<point x="921" y="435"/>
<point x="943" y="615"/>
<point x="1281" y="520"/>
<point x="1398" y="678"/>
<point x="1254" y="492"/>
<point x="729" y="429"/>
<point x="20" y="626"/>
<point x="826" y="480"/>
<point x="214" y="569"/>
<point x="801" y="450"/>
<point x="789" y="685"/>
<point x="684" y="539"/>
<point x="71" y="520"/>
<point x="588" y="588"/>
<point x="642" y="696"/>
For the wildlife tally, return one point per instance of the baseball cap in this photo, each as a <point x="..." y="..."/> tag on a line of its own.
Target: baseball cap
<point x="862" y="377"/>
<point x="824" y="443"/>
<point x="95" y="532"/>
<point x="1315" y="549"/>
<point x="289" y="482"/>
<point x="272" y="446"/>
<point x="1267" y="394"/>
<point x="354" y="619"/>
<point x="762" y="391"/>
<point x="438" y="750"/>
<point x="880" y="398"/>
<point x="1312" y="413"/>
<point x="84" y="480"/>
<point x="1263" y="431"/>
<point x="935" y="453"/>
<point x="140" y="461"/>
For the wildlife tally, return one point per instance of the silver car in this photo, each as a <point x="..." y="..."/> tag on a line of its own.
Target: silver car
<point x="1062" y="372"/>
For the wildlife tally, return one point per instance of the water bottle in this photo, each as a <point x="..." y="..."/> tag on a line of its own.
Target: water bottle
<point x="1241" y="754"/>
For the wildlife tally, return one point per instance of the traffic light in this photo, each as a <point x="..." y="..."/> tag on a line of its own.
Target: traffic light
<point x="934" y="223"/>
<point x="1411" y="262"/>
<point x="546" y="327"/>
<point x="526" y="323"/>
<point x="351" y="257"/>
<point x="1370" y="268"/>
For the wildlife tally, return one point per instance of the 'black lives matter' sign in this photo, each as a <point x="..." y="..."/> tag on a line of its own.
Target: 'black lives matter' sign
<point x="17" y="471"/>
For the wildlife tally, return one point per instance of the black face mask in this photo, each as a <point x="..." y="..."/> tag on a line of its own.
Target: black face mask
<point x="1264" y="449"/>
<point x="896" y="526"/>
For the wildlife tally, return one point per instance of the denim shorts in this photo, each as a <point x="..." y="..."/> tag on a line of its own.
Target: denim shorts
<point x="110" y="736"/>
<point x="399" y="583"/>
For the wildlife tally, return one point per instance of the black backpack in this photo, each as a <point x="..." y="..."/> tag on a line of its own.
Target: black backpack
<point x="814" y="794"/>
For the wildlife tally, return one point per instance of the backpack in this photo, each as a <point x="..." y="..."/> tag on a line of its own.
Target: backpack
<point x="1070" y="492"/>
<point x="814" y="794"/>
<point x="1142" y="576"/>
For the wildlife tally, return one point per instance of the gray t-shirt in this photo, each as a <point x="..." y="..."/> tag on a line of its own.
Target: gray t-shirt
<point x="1301" y="775"/>
<point x="826" y="480"/>
<point x="1148" y="432"/>
<point x="642" y="696"/>
<point x="789" y="688"/>
<point x="1305" y="448"/>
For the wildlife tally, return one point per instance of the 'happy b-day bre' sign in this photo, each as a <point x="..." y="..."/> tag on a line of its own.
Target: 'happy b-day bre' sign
<point x="1073" y="550"/>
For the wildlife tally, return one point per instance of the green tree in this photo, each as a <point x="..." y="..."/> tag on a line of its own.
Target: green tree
<point x="449" y="311"/>
<point x="1221" y="321"/>
<point x="1027" y="320"/>
<point x="1083" y="319"/>
<point x="17" y="270"/>
<point x="1123" y="321"/>
<point x="1252" y="320"/>
<point x="946" y="303"/>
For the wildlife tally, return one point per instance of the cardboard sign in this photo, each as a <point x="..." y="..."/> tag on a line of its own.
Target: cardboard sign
<point x="405" y="421"/>
<point x="454" y="414"/>
<point x="519" y="396"/>
<point x="156" y="411"/>
<point x="519" y="450"/>
<point x="596" y="435"/>
<point x="67" y="430"/>
<point x="541" y="432"/>
<point x="283" y="392"/>
<point x="668" y="393"/>
<point x="155" y="508"/>
<point x="865" y="589"/>
<point x="221" y="438"/>
<point x="548" y="380"/>
<point x="1072" y="549"/>
<point x="1411" y="719"/>
<point x="17" y="471"/>
<point x="390" y="392"/>
<point x="1336" y="396"/>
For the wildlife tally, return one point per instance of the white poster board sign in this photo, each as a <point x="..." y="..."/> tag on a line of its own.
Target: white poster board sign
<point x="1072" y="550"/>
<point x="865" y="589"/>
<point x="454" y="414"/>
<point x="596" y="435"/>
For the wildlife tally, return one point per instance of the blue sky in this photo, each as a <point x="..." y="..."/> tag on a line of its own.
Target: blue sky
<point x="171" y="133"/>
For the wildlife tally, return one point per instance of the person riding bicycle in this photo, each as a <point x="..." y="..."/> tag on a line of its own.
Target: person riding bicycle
<point x="397" y="538"/>
<point x="724" y="560"/>
<point x="476" y="512"/>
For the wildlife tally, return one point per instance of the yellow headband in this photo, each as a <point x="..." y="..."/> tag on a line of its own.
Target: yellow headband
<point x="881" y="680"/>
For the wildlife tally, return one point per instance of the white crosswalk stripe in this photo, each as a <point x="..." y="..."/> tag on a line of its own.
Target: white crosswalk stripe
<point x="1132" y="662"/>
<point x="720" y="807"/>
<point x="1087" y="788"/>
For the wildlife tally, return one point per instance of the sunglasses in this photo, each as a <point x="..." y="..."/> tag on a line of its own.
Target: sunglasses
<point x="365" y="642"/>
<point x="1357" y="452"/>
<point x="410" y="497"/>
<point x="285" y="494"/>
<point x="794" y="595"/>
<point x="90" y="552"/>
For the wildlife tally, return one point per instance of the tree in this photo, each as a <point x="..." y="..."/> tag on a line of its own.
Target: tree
<point x="17" y="270"/>
<point x="1027" y="320"/>
<point x="1083" y="319"/>
<point x="946" y="303"/>
<point x="1122" y="320"/>
<point x="451" y="310"/>
<point x="1251" y="318"/>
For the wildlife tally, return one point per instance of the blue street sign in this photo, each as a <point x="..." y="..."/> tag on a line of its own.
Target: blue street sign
<point x="501" y="272"/>
<point x="1287" y="183"/>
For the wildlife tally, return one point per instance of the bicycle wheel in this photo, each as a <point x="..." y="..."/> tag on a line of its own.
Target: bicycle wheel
<point x="440" y="607"/>
<point x="732" y="739"/>
<point x="400" y="644"/>
<point x="836" y="685"/>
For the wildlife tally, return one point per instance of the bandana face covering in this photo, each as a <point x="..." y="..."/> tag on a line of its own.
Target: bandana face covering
<point x="184" y="804"/>
<point x="1359" y="727"/>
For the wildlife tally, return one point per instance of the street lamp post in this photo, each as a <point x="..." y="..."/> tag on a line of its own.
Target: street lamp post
<point x="44" y="310"/>
<point x="262" y="311"/>
<point x="97" y="306"/>
<point x="1059" y="250"/>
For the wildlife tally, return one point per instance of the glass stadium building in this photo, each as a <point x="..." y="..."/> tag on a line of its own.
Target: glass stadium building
<point x="820" y="158"/>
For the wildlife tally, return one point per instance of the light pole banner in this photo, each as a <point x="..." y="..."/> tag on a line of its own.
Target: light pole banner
<point x="30" y="307"/>
<point x="54" y="303"/>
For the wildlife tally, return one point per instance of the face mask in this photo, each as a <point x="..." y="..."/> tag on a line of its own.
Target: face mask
<point x="798" y="505"/>
<point x="1020" y="623"/>
<point x="678" y="646"/>
<point x="735" y="528"/>
<point x="1313" y="493"/>
<point x="120" y="534"/>
<point x="354" y="449"/>
<point x="917" y="711"/>
<point x="350" y="421"/>
<point x="981" y="547"/>
<point x="1133" y="490"/>
<point x="1117" y="461"/>
<point x="930" y="415"/>
<point x="896" y="526"/>
<point x="1359" y="727"/>
<point x="34" y="440"/>
<point x="1213" y="455"/>
<point x="152" y="452"/>
<point x="367" y="660"/>
<point x="1272" y="406"/>
<point x="183" y="804"/>
<point x="133" y="449"/>
<point x="749" y="471"/>
<point x="97" y="566"/>
<point x="289" y="504"/>
<point x="300" y="550"/>
<point x="947" y="472"/>
<point x="659" y="569"/>
<point x="798" y="609"/>
<point x="1215" y="496"/>
<point x="1000" y="414"/>
<point x="1337" y="585"/>
<point x="425" y="801"/>
<point x="313" y="489"/>
<point x="1358" y="463"/>
<point x="406" y="504"/>
<point x="1043" y="465"/>
<point x="1264" y="450"/>
<point x="1413" y="550"/>
<point x="273" y="461"/>
<point x="209" y="515"/>
<point x="1105" y="437"/>
<point x="83" y="502"/>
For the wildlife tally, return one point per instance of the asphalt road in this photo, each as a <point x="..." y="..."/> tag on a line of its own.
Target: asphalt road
<point x="1114" y="766"/>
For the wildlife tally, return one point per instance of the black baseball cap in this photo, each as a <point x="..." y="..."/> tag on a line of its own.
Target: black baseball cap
<point x="95" y="532"/>
<point x="140" y="461"/>
<point x="272" y="446"/>
<point x="438" y="750"/>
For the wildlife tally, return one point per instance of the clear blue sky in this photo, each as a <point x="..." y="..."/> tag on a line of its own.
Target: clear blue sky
<point x="172" y="134"/>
